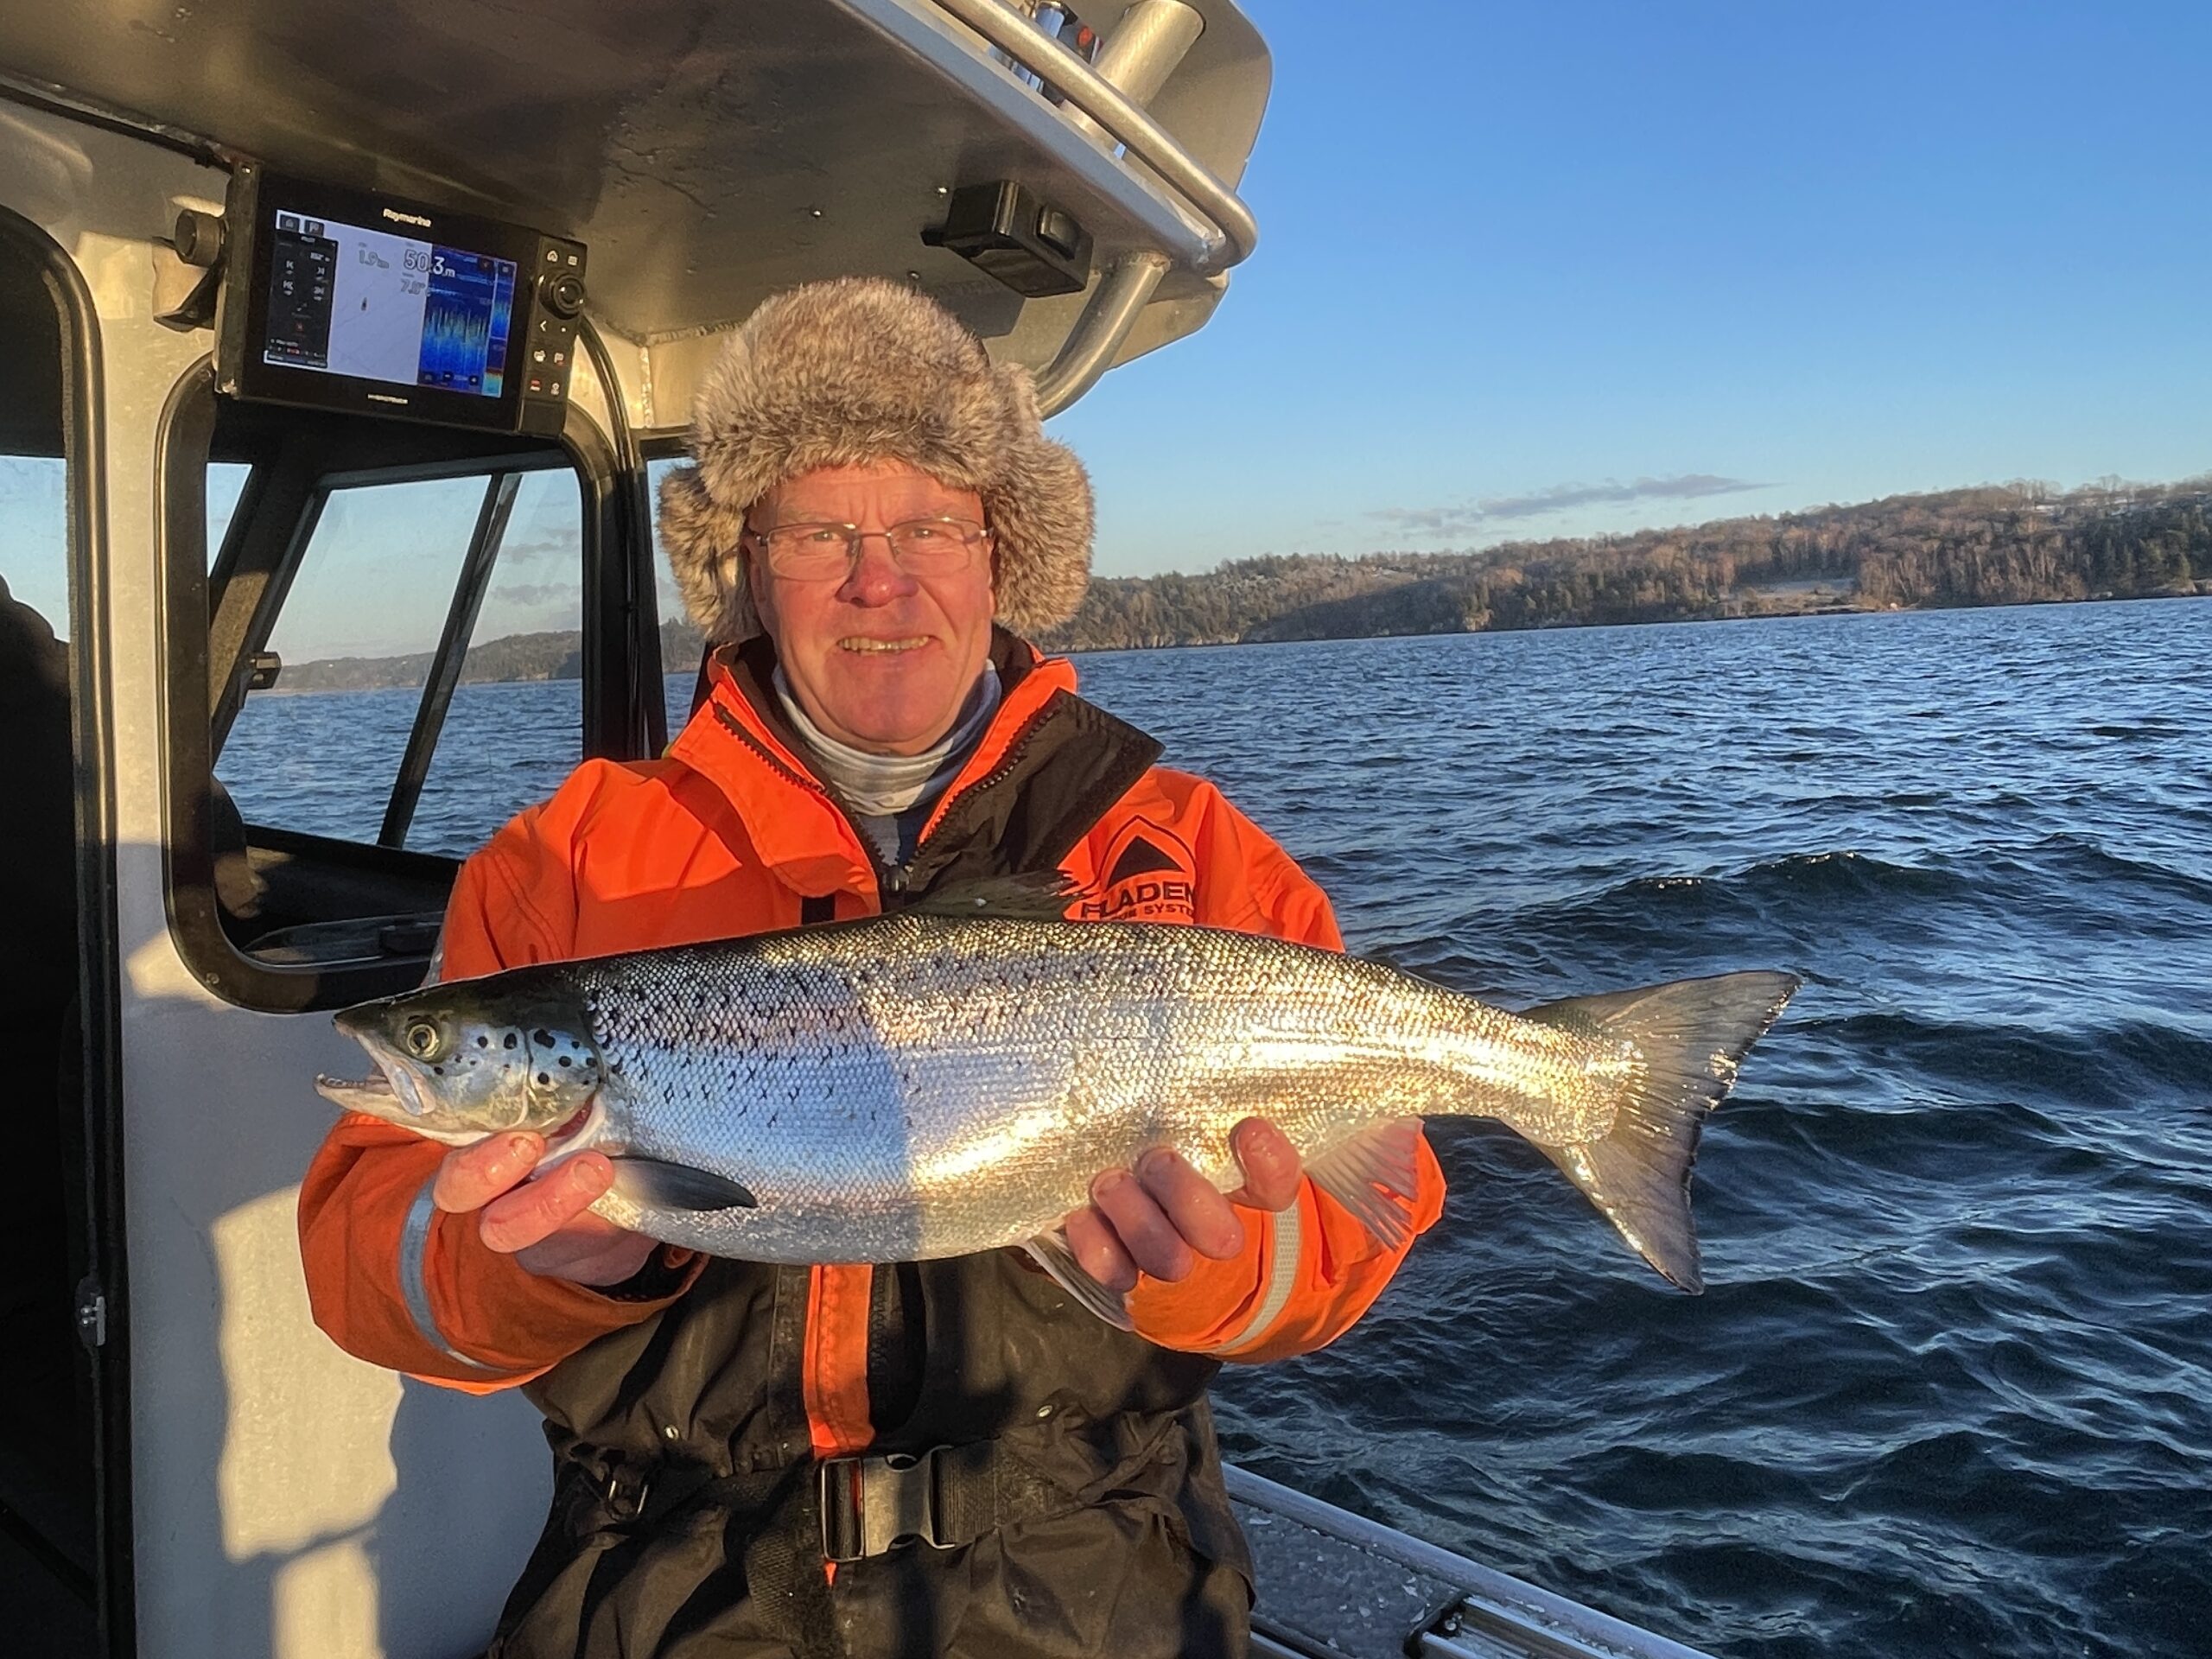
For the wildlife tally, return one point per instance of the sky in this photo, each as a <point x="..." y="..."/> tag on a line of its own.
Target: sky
<point x="1530" y="271"/>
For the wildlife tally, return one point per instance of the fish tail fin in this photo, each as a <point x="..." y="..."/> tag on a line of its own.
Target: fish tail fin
<point x="1692" y="1034"/>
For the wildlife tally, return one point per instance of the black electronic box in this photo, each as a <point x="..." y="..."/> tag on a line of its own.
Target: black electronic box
<point x="345" y="299"/>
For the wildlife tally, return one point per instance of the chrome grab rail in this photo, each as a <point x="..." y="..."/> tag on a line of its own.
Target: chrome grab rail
<point x="1114" y="307"/>
<point x="1233" y="232"/>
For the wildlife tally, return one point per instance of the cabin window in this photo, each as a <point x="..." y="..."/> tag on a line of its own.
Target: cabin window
<point x="382" y="640"/>
<point x="226" y="482"/>
<point x="358" y="739"/>
<point x="34" y="537"/>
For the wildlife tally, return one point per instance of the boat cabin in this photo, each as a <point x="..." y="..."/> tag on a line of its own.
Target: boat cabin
<point x="325" y="323"/>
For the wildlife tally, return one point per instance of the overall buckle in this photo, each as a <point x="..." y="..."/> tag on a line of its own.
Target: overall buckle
<point x="625" y="1491"/>
<point x="871" y="1505"/>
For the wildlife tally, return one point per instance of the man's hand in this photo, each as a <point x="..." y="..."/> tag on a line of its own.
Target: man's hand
<point x="1152" y="1218"/>
<point x="546" y="1226"/>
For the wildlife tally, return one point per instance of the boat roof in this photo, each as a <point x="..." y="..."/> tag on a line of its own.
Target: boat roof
<point x="707" y="154"/>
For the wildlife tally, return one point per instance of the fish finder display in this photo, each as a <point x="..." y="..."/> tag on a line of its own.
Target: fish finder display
<point x="333" y="298"/>
<point x="346" y="299"/>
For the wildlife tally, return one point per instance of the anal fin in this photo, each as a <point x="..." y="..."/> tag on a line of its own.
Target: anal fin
<point x="1051" y="1252"/>
<point x="1372" y="1173"/>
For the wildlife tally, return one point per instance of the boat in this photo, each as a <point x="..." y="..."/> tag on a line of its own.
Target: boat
<point x="577" y="202"/>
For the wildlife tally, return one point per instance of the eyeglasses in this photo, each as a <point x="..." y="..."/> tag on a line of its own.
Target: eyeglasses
<point x="920" y="547"/>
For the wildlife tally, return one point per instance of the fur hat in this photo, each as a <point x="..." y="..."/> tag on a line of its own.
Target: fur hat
<point x="839" y="372"/>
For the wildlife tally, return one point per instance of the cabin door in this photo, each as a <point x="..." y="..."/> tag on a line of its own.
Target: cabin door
<point x="212" y="831"/>
<point x="56" y="976"/>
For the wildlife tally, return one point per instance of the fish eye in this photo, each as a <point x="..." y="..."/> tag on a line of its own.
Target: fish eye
<point x="421" y="1037"/>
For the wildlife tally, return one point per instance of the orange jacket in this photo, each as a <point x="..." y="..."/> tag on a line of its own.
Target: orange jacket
<point x="730" y="834"/>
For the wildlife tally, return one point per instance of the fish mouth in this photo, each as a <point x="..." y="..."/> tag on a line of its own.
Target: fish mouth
<point x="394" y="1097"/>
<point x="376" y="1094"/>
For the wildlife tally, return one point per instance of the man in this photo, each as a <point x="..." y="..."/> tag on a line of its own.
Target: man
<point x="736" y="1443"/>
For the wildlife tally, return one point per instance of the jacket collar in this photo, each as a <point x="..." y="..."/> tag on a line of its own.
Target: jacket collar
<point x="741" y="742"/>
<point x="1028" y="681"/>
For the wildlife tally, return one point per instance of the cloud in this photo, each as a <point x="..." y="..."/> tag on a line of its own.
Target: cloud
<point x="1560" y="497"/>
<point x="529" y="594"/>
<point x="522" y="551"/>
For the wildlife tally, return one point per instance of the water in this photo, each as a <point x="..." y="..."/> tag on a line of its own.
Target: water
<point x="1950" y="1388"/>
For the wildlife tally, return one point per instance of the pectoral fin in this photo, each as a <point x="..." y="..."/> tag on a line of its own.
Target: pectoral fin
<point x="654" y="1183"/>
<point x="1051" y="1252"/>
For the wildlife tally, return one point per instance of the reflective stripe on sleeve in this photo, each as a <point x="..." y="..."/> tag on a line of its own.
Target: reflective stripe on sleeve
<point x="1281" y="1278"/>
<point x="414" y="1244"/>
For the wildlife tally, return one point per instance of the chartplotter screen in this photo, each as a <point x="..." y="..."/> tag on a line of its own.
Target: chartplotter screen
<point x="346" y="300"/>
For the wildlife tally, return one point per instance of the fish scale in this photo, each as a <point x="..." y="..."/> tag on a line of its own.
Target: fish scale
<point x="919" y="1084"/>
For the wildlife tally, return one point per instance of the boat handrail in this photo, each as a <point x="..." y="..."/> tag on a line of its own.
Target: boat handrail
<point x="1152" y="35"/>
<point x="1229" y="233"/>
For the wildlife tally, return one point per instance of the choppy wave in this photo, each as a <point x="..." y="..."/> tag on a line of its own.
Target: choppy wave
<point x="1950" y="1388"/>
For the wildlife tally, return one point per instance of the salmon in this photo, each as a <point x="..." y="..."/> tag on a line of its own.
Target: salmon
<point x="941" y="1081"/>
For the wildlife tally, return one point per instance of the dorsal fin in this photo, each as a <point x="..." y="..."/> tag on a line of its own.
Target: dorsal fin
<point x="1034" y="896"/>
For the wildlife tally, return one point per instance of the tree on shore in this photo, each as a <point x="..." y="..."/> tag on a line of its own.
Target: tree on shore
<point x="2019" y="543"/>
<point x="2012" y="545"/>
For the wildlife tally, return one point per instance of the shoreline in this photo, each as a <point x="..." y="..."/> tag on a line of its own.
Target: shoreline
<point x="2203" y="591"/>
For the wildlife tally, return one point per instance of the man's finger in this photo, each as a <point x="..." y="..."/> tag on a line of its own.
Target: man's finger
<point x="1194" y="1206"/>
<point x="1272" y="1169"/>
<point x="1142" y="1226"/>
<point x="532" y="1213"/>
<point x="585" y="1254"/>
<point x="472" y="1176"/>
<point x="1092" y="1237"/>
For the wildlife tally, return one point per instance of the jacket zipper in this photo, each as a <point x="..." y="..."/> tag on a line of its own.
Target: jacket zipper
<point x="1016" y="748"/>
<point x="891" y="880"/>
<point x="886" y="879"/>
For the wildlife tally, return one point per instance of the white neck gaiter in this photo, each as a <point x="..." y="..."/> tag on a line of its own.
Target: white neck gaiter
<point x="883" y="786"/>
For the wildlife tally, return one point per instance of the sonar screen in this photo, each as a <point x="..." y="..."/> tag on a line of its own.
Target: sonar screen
<point x="362" y="302"/>
<point x="465" y="321"/>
